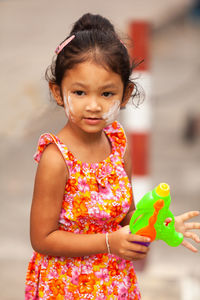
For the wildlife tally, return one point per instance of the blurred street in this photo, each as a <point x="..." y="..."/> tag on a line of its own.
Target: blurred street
<point x="170" y="273"/>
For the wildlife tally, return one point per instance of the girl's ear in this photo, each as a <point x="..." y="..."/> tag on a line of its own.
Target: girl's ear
<point x="56" y="93"/>
<point x="127" y="94"/>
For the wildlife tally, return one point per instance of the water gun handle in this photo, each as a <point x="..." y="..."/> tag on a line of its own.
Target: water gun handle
<point x="146" y="244"/>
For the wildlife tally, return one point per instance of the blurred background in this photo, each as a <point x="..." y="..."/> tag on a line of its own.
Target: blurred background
<point x="30" y="31"/>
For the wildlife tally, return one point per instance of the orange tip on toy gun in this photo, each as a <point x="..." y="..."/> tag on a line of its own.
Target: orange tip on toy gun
<point x="152" y="217"/>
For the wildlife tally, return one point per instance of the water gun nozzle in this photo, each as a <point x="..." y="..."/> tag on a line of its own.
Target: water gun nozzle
<point x="163" y="190"/>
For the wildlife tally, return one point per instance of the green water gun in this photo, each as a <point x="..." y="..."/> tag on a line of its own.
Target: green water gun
<point x="152" y="217"/>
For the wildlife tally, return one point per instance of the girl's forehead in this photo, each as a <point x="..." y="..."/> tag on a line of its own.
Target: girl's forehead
<point x="93" y="73"/>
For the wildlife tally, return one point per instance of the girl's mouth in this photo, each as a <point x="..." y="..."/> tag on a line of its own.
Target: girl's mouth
<point x="92" y="121"/>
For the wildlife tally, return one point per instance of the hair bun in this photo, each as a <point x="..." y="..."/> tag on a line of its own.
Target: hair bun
<point x="92" y="22"/>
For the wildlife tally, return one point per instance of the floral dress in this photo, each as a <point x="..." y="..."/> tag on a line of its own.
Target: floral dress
<point x="97" y="197"/>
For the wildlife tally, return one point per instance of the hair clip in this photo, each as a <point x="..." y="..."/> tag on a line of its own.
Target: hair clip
<point x="63" y="44"/>
<point x="123" y="44"/>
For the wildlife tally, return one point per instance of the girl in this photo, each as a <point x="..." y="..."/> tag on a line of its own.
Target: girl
<point x="82" y="200"/>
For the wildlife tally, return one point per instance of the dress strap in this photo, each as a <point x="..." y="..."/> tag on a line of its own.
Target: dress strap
<point x="117" y="136"/>
<point x="49" y="138"/>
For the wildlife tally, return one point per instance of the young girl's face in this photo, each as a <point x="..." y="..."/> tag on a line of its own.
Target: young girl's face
<point x="91" y="96"/>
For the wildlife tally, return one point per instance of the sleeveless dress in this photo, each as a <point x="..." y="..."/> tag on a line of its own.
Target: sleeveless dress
<point x="97" y="197"/>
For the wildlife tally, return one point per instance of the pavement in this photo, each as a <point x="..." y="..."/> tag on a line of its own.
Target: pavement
<point x="170" y="273"/>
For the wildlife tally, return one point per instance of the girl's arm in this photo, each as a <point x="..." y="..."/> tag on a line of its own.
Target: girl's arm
<point x="46" y="238"/>
<point x="128" y="169"/>
<point x="50" y="181"/>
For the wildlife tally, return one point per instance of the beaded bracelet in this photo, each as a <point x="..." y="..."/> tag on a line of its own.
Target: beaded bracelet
<point x="107" y="243"/>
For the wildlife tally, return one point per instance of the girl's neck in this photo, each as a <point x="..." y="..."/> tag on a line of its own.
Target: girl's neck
<point x="82" y="137"/>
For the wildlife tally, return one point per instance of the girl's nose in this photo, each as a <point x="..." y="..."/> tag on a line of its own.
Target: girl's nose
<point x="93" y="104"/>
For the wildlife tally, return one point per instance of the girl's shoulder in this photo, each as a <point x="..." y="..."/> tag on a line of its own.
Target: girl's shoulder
<point x="44" y="140"/>
<point x="48" y="139"/>
<point x="117" y="136"/>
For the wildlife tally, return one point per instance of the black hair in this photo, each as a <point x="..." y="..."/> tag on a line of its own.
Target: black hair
<point x="96" y="40"/>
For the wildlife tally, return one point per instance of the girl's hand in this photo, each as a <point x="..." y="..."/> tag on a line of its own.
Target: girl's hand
<point x="183" y="227"/>
<point x="122" y="244"/>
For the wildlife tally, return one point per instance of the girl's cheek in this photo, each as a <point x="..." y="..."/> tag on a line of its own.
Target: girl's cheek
<point x="111" y="114"/>
<point x="69" y="108"/>
<point x="66" y="107"/>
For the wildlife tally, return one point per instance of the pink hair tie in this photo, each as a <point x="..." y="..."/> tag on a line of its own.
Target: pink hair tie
<point x="63" y="44"/>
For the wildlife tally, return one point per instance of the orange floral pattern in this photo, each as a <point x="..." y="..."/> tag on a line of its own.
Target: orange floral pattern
<point x="97" y="197"/>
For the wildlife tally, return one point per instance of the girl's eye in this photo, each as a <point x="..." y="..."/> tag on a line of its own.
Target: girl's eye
<point x="79" y="93"/>
<point x="107" y="94"/>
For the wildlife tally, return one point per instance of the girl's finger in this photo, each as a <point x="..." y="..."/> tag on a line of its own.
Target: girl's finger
<point x="138" y="248"/>
<point x="138" y="238"/>
<point x="193" y="236"/>
<point x="131" y="255"/>
<point x="139" y="257"/>
<point x="192" y="225"/>
<point x="188" y="215"/>
<point x="189" y="246"/>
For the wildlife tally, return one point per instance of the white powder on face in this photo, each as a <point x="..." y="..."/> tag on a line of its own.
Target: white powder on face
<point x="108" y="116"/>
<point x="69" y="107"/>
<point x="111" y="115"/>
<point x="66" y="106"/>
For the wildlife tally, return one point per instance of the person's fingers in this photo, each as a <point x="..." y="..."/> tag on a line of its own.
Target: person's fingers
<point x="138" y="238"/>
<point x="139" y="257"/>
<point x="130" y="255"/>
<point x="189" y="246"/>
<point x="192" y="225"/>
<point x="137" y="247"/>
<point x="193" y="236"/>
<point x="189" y="215"/>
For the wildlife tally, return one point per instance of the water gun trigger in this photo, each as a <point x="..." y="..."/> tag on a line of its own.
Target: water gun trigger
<point x="167" y="221"/>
